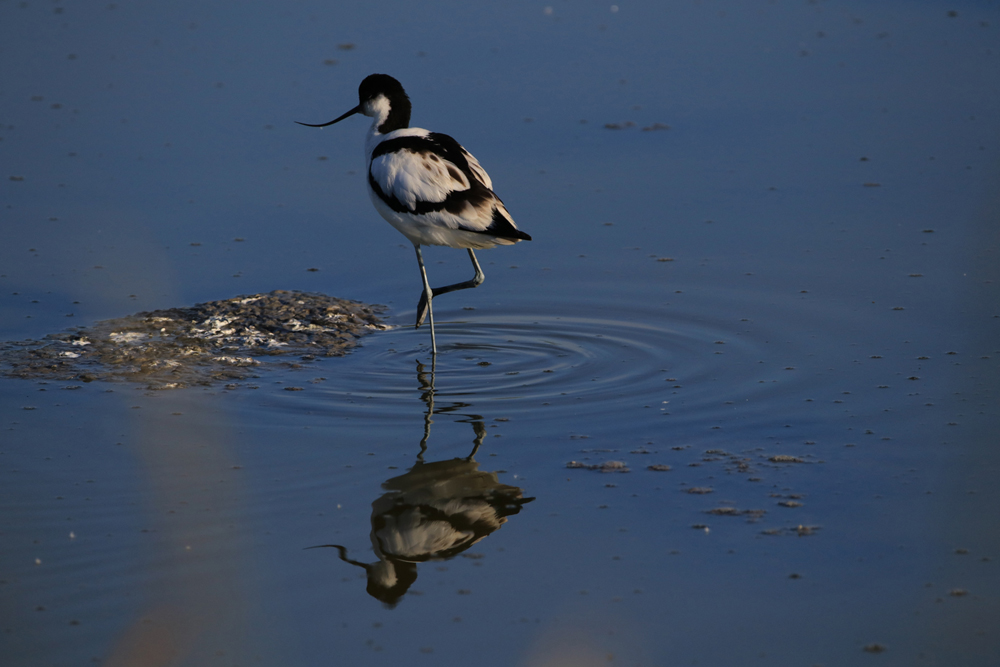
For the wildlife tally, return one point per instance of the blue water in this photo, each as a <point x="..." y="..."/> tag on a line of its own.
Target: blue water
<point x="803" y="265"/>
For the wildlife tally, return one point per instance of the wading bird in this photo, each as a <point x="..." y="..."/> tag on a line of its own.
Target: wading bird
<point x="427" y="186"/>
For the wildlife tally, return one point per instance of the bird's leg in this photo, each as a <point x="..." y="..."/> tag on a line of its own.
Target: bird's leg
<point x="476" y="281"/>
<point x="427" y="395"/>
<point x="429" y="296"/>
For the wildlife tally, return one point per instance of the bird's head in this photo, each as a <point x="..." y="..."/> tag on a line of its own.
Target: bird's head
<point x="381" y="97"/>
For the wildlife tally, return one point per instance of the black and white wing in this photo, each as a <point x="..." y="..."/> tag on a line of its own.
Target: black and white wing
<point x="429" y="174"/>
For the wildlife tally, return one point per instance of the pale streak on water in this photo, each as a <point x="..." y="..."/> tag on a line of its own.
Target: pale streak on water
<point x="808" y="311"/>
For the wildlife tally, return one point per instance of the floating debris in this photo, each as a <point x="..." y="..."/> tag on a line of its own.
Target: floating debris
<point x="752" y="515"/>
<point x="619" y="126"/>
<point x="800" y="531"/>
<point x="607" y="466"/>
<point x="724" y="511"/>
<point x="785" y="458"/>
<point x="207" y="343"/>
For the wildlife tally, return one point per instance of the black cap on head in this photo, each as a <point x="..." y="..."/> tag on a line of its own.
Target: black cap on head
<point x="399" y="103"/>
<point x="380" y="84"/>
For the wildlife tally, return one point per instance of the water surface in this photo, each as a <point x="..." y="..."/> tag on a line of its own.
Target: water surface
<point x="779" y="315"/>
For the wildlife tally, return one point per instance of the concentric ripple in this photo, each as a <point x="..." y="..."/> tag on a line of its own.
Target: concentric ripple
<point x="526" y="360"/>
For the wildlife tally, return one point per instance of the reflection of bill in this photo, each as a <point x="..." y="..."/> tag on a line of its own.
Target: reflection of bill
<point x="434" y="511"/>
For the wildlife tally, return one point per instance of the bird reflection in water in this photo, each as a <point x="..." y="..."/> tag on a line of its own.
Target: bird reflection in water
<point x="435" y="511"/>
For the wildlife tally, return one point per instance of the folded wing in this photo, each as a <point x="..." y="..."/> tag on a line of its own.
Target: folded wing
<point x="431" y="175"/>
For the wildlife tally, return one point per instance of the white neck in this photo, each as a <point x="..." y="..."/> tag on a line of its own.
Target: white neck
<point x="378" y="111"/>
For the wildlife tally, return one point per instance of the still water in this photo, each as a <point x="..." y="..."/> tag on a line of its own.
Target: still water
<point x="735" y="403"/>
